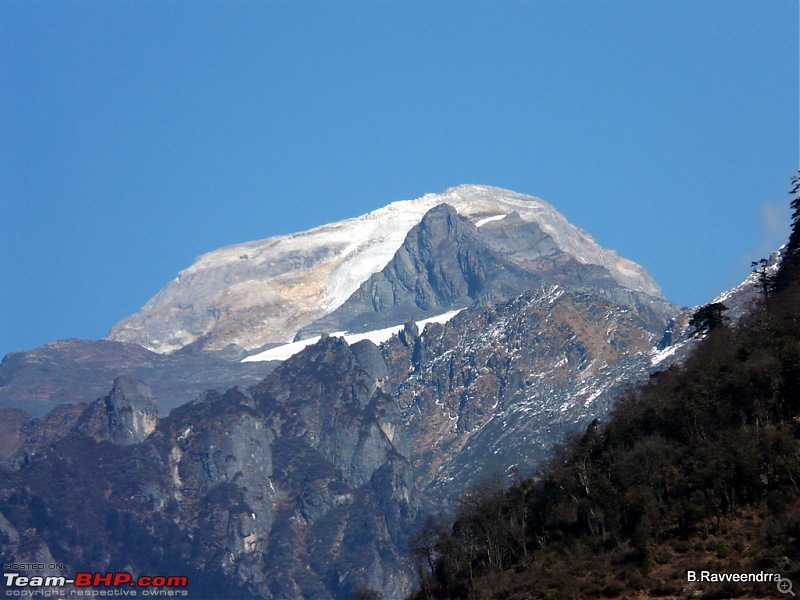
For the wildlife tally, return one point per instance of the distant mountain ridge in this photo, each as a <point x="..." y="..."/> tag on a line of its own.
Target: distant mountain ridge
<point x="259" y="293"/>
<point x="75" y="371"/>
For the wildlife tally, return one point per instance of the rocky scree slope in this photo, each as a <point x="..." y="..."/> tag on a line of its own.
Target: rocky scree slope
<point x="492" y="390"/>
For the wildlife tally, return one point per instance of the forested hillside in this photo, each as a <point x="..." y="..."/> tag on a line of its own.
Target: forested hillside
<point x="699" y="469"/>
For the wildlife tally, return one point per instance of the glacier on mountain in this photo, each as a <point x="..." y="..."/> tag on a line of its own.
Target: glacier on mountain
<point x="263" y="292"/>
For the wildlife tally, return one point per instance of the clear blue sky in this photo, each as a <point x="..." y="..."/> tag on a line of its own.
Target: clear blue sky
<point x="137" y="135"/>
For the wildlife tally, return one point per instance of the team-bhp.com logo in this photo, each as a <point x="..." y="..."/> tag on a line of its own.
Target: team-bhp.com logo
<point x="156" y="585"/>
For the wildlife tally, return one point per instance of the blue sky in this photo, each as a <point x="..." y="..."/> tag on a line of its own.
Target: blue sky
<point x="137" y="135"/>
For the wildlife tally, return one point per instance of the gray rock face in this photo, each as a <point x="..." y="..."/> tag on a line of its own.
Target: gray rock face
<point x="446" y="262"/>
<point x="341" y="467"/>
<point x="132" y="411"/>
<point x="520" y="241"/>
<point x="264" y="292"/>
<point x="443" y="263"/>
<point x="339" y="406"/>
<point x="219" y="453"/>
<point x="75" y="371"/>
<point x="125" y="416"/>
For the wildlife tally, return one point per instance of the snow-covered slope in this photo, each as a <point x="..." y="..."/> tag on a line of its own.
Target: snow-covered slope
<point x="263" y="292"/>
<point x="377" y="336"/>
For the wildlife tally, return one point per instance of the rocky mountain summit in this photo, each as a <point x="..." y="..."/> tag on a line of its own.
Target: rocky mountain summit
<point x="260" y="293"/>
<point x="412" y="259"/>
<point x="443" y="263"/>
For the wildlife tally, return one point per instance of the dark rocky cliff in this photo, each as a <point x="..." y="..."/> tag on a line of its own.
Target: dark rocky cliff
<point x="309" y="483"/>
<point x="442" y="264"/>
<point x="447" y="262"/>
<point x="308" y="470"/>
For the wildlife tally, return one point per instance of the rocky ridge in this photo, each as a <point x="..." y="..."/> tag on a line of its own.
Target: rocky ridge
<point x="308" y="470"/>
<point x="494" y="389"/>
<point x="75" y="371"/>
<point x="264" y="292"/>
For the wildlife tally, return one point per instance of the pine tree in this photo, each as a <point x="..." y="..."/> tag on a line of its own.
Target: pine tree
<point x="790" y="264"/>
<point x="709" y="317"/>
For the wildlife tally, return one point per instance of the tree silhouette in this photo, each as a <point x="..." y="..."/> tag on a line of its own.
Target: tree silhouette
<point x="790" y="263"/>
<point x="709" y="317"/>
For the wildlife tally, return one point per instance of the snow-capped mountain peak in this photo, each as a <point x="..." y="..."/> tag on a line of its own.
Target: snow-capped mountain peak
<point x="263" y="292"/>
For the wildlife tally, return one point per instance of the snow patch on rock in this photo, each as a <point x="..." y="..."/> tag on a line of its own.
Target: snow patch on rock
<point x="377" y="336"/>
